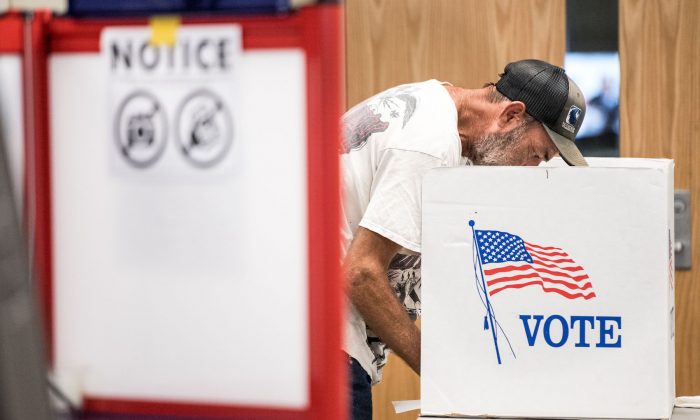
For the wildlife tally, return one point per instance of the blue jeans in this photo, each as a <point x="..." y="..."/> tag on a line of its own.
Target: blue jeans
<point x="360" y="397"/>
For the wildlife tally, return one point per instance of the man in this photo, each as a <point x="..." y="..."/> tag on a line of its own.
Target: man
<point x="391" y="141"/>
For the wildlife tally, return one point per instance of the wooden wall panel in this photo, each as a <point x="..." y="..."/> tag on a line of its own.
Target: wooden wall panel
<point x="465" y="42"/>
<point x="660" y="98"/>
<point x="399" y="383"/>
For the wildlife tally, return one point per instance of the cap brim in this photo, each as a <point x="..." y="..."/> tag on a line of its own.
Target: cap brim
<point x="567" y="149"/>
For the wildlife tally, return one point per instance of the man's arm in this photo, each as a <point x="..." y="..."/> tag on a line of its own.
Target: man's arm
<point x="368" y="287"/>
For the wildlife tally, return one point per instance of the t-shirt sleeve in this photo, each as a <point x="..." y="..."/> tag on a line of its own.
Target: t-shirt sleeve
<point x="394" y="209"/>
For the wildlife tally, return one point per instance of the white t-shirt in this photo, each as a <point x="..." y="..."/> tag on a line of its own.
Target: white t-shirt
<point x="391" y="141"/>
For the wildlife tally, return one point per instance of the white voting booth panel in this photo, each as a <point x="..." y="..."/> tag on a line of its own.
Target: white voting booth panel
<point x="181" y="199"/>
<point x="548" y="291"/>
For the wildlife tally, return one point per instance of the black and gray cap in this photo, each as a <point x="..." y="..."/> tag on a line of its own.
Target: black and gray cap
<point x="552" y="98"/>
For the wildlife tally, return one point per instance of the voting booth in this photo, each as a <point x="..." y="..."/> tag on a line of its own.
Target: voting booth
<point x="187" y="242"/>
<point x="548" y="291"/>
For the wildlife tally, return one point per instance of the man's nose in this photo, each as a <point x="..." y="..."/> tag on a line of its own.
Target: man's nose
<point x="533" y="161"/>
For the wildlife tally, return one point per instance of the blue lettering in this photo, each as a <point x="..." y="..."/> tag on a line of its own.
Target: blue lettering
<point x="564" y="331"/>
<point x="582" y="328"/>
<point x="607" y="330"/>
<point x="530" y="335"/>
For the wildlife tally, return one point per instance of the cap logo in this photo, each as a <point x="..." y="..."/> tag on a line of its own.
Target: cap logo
<point x="569" y="123"/>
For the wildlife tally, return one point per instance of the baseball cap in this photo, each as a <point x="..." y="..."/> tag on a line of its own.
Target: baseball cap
<point x="550" y="97"/>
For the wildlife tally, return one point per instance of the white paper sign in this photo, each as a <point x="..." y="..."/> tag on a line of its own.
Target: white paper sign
<point x="172" y="107"/>
<point x="176" y="282"/>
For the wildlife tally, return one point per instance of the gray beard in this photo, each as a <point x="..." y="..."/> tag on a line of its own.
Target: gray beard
<point x="498" y="149"/>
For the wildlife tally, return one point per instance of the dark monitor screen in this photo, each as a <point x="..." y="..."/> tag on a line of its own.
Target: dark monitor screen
<point x="598" y="76"/>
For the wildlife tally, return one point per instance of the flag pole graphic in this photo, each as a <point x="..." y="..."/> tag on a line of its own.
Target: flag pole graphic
<point x="489" y="310"/>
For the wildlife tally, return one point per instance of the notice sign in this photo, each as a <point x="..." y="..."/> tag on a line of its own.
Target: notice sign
<point x="172" y="105"/>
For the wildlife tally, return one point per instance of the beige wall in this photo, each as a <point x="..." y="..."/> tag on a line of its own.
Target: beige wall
<point x="659" y="117"/>
<point x="466" y="42"/>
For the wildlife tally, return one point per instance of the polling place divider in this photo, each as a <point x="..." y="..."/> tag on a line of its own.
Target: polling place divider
<point x="61" y="48"/>
<point x="37" y="191"/>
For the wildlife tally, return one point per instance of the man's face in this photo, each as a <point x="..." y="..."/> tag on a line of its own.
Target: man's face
<point x="525" y="145"/>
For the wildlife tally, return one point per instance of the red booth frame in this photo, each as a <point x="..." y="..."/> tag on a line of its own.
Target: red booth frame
<point x="318" y="31"/>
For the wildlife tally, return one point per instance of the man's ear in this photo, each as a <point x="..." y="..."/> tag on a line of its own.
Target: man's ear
<point x="511" y="115"/>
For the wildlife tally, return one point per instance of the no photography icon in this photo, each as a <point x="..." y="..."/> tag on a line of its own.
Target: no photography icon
<point x="140" y="129"/>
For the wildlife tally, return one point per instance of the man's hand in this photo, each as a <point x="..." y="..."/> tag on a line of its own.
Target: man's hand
<point x="366" y="265"/>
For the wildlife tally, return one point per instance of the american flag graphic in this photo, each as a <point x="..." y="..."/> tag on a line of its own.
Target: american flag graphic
<point x="509" y="262"/>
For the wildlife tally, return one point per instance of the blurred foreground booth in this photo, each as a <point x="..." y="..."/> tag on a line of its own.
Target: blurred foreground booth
<point x="181" y="188"/>
<point x="549" y="291"/>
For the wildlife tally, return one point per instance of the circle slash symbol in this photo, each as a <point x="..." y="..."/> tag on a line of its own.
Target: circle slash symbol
<point x="203" y="128"/>
<point x="140" y="129"/>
